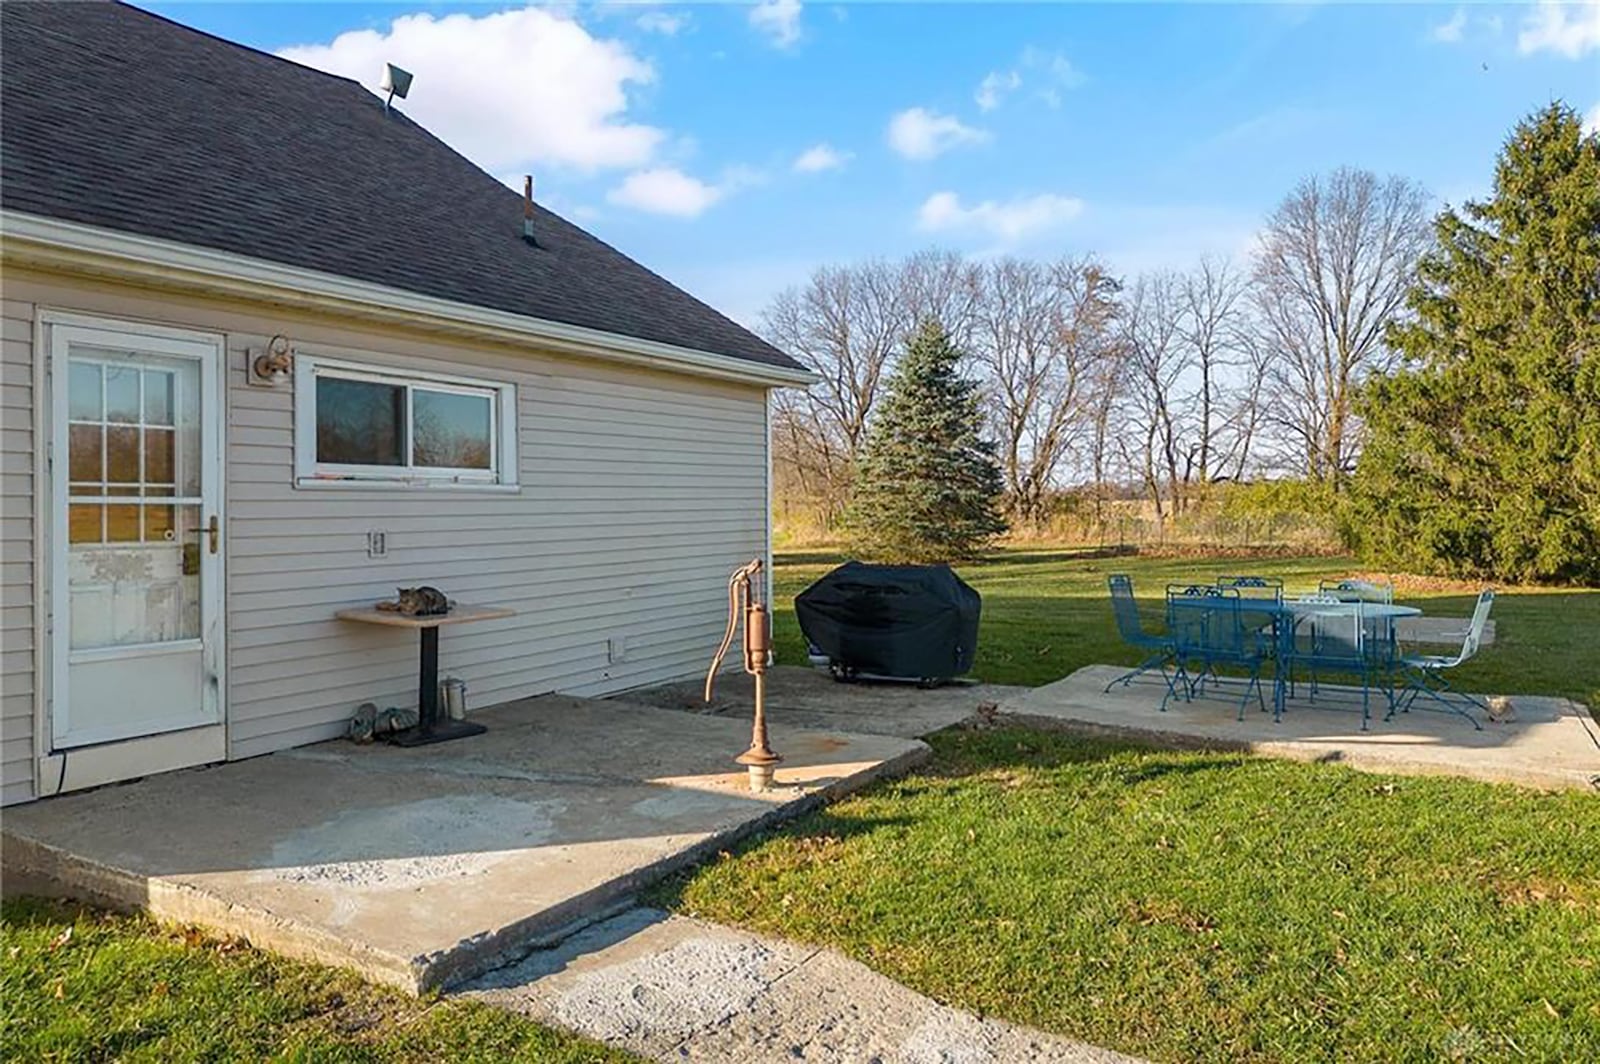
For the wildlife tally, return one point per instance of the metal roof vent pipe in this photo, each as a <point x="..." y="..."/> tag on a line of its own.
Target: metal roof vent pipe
<point x="527" y="210"/>
<point x="396" y="82"/>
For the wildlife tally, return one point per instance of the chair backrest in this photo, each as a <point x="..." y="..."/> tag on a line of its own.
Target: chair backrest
<point x="1263" y="587"/>
<point x="1124" y="608"/>
<point x="1480" y="620"/>
<point x="1334" y="636"/>
<point x="1358" y="591"/>
<point x="1198" y="615"/>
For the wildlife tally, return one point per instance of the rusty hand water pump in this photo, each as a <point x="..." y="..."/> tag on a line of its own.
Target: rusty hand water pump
<point x="745" y="602"/>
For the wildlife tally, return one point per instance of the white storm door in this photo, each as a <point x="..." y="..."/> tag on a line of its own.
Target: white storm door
<point x="136" y="546"/>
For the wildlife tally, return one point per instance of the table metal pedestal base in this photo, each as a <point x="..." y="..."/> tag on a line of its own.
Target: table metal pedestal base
<point x="442" y="731"/>
<point x="430" y="727"/>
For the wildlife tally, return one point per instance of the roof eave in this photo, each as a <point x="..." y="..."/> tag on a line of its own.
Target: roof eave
<point x="36" y="240"/>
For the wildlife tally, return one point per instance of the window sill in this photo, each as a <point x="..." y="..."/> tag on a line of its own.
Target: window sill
<point x="331" y="484"/>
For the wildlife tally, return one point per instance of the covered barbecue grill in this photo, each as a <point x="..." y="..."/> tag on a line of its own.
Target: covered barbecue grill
<point x="902" y="622"/>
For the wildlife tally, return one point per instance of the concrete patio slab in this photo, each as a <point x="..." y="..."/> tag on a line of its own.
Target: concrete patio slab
<point x="423" y="867"/>
<point x="809" y="698"/>
<point x="1551" y="743"/>
<point x="675" y="989"/>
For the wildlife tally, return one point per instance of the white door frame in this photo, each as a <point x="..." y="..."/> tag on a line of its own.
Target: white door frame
<point x="57" y="329"/>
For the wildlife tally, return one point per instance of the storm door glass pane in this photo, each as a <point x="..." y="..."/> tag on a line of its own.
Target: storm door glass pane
<point x="85" y="391"/>
<point x="452" y="430"/>
<point x="360" y="422"/>
<point x="122" y="394"/>
<point x="134" y="513"/>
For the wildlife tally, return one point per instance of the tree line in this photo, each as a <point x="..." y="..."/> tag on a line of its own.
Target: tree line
<point x="1280" y="364"/>
<point x="1163" y="382"/>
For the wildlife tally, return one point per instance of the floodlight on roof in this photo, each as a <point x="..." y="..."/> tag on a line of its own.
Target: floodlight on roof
<point x="396" y="82"/>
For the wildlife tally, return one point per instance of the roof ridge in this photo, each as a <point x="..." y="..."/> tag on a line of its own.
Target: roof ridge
<point x="236" y="44"/>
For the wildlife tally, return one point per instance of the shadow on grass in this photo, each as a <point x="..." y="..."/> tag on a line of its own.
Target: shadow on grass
<point x="25" y="912"/>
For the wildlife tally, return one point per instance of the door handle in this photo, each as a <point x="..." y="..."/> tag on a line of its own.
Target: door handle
<point x="212" y="531"/>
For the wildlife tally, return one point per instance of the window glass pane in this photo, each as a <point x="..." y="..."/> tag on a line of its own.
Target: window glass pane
<point x="158" y="523"/>
<point x="157" y="398"/>
<point x="158" y="456"/>
<point x="122" y="454"/>
<point x="122" y="394"/>
<point x="360" y="422"/>
<point x="83" y="441"/>
<point x="122" y="523"/>
<point x="83" y="523"/>
<point x="451" y="430"/>
<point x="83" y="392"/>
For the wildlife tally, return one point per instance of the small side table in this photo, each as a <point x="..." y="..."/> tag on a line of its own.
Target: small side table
<point x="429" y="729"/>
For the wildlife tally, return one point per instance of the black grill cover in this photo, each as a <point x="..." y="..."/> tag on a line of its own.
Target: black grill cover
<point x="915" y="622"/>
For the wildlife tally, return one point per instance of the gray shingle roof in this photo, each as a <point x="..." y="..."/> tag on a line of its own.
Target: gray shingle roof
<point x="115" y="117"/>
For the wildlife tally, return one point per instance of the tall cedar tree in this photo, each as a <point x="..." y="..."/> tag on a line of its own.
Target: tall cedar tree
<point x="1484" y="451"/>
<point x="926" y="485"/>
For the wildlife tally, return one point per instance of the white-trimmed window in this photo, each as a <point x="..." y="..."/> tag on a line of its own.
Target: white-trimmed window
<point x="357" y="425"/>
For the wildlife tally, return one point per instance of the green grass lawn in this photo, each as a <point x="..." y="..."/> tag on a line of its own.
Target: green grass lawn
<point x="1203" y="906"/>
<point x="1200" y="906"/>
<point x="78" y="985"/>
<point x="1046" y="613"/>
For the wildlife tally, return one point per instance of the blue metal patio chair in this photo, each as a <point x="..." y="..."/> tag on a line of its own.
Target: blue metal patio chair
<point x="1214" y="626"/>
<point x="1358" y="591"/>
<point x="1161" y="648"/>
<point x="1333" y="637"/>
<point x="1424" y="673"/>
<point x="1254" y="587"/>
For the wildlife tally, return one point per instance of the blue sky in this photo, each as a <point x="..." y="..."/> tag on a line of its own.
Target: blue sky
<point x="1146" y="133"/>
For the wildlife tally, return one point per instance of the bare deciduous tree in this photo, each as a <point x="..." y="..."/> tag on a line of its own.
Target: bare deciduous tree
<point x="1038" y="333"/>
<point x="1209" y="299"/>
<point x="1153" y="445"/>
<point x="1332" y="270"/>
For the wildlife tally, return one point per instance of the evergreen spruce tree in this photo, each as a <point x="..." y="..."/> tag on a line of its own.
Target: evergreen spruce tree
<point x="1483" y="455"/>
<point x="926" y="484"/>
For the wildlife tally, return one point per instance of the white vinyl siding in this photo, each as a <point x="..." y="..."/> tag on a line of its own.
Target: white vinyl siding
<point x="19" y="659"/>
<point x="638" y="492"/>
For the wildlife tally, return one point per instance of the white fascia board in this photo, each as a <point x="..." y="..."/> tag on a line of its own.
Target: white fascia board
<point x="30" y="239"/>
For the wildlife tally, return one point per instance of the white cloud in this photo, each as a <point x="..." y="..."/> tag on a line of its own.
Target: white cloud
<point x="1570" y="30"/>
<point x="1020" y="217"/>
<point x="666" y="23"/>
<point x="1591" y="121"/>
<point x="820" y="157"/>
<point x="668" y="190"/>
<point x="1049" y="72"/>
<point x="506" y="89"/>
<point x="778" y="20"/>
<point x="665" y="190"/>
<point x="918" y="133"/>
<point x="1057" y="71"/>
<point x="1451" y="30"/>
<point x="994" y="87"/>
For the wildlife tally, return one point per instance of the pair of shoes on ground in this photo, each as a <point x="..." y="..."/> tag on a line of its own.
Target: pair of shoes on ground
<point x="370" y="723"/>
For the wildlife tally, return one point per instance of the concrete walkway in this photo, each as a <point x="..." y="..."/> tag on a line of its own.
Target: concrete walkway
<point x="675" y="989"/>
<point x="1552" y="742"/>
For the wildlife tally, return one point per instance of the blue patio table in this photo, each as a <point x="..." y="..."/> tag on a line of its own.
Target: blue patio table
<point x="1376" y="620"/>
<point x="1284" y="620"/>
